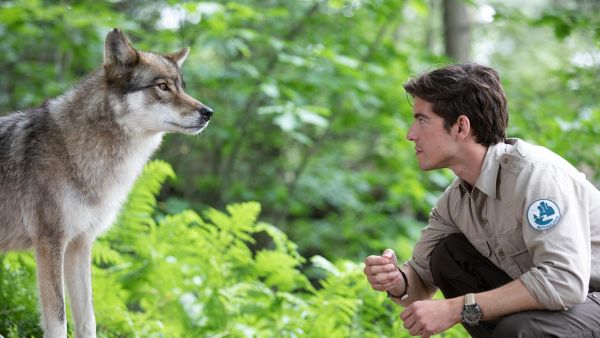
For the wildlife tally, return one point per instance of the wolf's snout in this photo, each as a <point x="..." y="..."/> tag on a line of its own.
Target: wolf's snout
<point x="206" y="112"/>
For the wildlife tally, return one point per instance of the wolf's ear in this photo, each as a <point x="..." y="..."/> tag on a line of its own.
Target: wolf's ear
<point x="180" y="56"/>
<point x="118" y="51"/>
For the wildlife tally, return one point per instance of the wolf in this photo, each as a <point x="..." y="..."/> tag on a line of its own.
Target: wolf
<point x="67" y="166"/>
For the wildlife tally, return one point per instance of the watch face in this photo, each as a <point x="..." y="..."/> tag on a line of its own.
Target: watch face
<point x="471" y="314"/>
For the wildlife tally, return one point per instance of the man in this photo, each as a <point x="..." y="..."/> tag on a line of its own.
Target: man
<point x="513" y="243"/>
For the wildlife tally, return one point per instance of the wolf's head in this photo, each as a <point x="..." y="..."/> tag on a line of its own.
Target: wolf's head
<point x="152" y="89"/>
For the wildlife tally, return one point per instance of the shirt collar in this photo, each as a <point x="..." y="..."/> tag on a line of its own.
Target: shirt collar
<point x="486" y="182"/>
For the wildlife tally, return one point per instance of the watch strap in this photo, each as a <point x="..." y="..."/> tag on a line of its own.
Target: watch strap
<point x="469" y="299"/>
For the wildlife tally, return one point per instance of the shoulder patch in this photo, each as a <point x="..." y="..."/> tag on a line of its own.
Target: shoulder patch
<point x="543" y="214"/>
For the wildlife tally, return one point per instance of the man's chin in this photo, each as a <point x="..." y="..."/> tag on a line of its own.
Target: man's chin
<point x="427" y="167"/>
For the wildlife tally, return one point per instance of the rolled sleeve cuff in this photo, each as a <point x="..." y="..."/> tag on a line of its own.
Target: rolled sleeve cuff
<point x="541" y="289"/>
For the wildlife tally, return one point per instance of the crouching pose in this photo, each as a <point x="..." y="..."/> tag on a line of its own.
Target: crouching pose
<point x="513" y="243"/>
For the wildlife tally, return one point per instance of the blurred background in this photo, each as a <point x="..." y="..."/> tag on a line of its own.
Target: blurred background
<point x="308" y="142"/>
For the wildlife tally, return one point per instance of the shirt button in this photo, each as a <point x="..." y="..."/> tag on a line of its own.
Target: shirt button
<point x="505" y="161"/>
<point x="501" y="253"/>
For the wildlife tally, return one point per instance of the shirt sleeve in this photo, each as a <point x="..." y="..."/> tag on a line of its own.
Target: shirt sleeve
<point x="556" y="231"/>
<point x="439" y="226"/>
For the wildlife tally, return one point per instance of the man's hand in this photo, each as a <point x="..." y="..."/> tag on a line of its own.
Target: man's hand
<point x="382" y="271"/>
<point x="429" y="317"/>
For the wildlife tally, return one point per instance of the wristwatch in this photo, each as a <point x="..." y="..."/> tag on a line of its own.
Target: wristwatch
<point x="471" y="313"/>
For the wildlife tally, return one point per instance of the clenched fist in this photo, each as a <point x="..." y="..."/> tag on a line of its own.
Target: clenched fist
<point x="382" y="273"/>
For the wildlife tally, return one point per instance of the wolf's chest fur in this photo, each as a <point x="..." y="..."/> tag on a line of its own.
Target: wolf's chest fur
<point x="91" y="201"/>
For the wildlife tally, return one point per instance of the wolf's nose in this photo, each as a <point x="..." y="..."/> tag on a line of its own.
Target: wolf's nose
<point x="206" y="111"/>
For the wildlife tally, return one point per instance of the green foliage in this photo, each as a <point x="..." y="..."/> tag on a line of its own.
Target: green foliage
<point x="186" y="275"/>
<point x="18" y="298"/>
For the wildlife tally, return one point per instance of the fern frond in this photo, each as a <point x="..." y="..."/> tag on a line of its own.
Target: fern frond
<point x="281" y="241"/>
<point x="142" y="198"/>
<point x="279" y="270"/>
<point x="103" y="254"/>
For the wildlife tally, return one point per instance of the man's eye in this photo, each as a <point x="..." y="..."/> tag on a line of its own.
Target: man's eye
<point x="163" y="86"/>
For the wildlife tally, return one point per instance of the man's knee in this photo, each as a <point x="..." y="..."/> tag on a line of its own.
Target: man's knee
<point x="444" y="252"/>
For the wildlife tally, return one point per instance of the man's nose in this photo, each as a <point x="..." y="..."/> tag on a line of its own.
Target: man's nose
<point x="206" y="111"/>
<point x="410" y="135"/>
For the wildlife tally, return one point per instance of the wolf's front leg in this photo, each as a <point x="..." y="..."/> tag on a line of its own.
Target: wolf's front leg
<point x="49" y="255"/>
<point x="78" y="275"/>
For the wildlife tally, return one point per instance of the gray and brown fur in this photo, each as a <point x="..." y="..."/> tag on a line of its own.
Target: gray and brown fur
<point x="66" y="167"/>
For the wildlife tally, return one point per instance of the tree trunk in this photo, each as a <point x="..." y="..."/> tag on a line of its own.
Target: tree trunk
<point x="457" y="30"/>
<point x="430" y="29"/>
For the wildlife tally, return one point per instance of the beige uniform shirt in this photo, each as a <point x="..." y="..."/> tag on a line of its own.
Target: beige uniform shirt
<point x="532" y="214"/>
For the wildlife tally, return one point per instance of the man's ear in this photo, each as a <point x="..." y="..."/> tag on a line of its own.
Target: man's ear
<point x="179" y="56"/>
<point x="463" y="125"/>
<point x="118" y="51"/>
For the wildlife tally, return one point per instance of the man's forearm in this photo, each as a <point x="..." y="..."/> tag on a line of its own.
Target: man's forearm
<point x="509" y="298"/>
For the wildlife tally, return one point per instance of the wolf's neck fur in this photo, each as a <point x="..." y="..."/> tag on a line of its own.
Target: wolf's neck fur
<point x="104" y="156"/>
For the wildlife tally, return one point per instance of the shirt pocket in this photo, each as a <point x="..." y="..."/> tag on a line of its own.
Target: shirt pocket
<point x="513" y="253"/>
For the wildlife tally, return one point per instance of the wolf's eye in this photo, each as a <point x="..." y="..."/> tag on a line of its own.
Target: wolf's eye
<point x="163" y="87"/>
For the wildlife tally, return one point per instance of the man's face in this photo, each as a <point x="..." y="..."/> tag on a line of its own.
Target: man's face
<point x="434" y="145"/>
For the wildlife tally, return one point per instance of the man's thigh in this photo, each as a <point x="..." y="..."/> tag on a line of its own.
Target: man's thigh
<point x="582" y="320"/>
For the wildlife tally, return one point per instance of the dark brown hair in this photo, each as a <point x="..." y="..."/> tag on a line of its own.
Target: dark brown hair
<point x="465" y="89"/>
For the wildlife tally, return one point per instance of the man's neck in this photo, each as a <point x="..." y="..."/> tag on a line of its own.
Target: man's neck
<point x="468" y="165"/>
